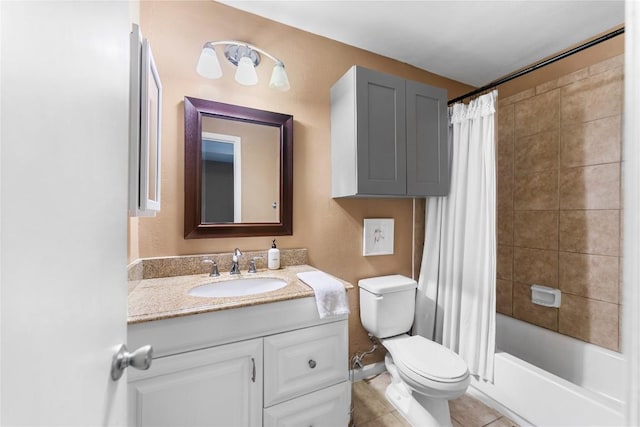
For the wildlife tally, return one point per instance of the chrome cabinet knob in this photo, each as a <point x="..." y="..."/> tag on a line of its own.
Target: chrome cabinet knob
<point x="312" y="363"/>
<point x="139" y="359"/>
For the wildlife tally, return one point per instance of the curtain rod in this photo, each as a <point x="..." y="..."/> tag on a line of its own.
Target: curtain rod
<point x="539" y="65"/>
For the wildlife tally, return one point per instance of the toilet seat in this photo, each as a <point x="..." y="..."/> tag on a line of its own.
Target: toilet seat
<point x="423" y="358"/>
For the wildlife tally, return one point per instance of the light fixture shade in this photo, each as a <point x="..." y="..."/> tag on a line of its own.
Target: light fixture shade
<point x="279" y="79"/>
<point x="208" y="65"/>
<point x="246" y="72"/>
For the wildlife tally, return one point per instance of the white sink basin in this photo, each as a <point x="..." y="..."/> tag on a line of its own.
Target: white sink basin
<point x="238" y="287"/>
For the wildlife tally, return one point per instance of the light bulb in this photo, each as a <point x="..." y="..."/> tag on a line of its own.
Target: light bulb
<point x="246" y="72"/>
<point x="279" y="79"/>
<point x="208" y="65"/>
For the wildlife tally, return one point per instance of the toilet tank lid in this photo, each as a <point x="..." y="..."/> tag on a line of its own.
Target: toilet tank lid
<point x="387" y="284"/>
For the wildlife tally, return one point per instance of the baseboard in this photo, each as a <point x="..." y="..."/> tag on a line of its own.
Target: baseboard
<point x="367" y="371"/>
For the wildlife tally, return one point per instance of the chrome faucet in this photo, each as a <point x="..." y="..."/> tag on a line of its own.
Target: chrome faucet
<point x="235" y="268"/>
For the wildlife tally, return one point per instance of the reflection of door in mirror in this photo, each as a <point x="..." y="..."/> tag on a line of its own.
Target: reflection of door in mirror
<point x="256" y="182"/>
<point x="221" y="178"/>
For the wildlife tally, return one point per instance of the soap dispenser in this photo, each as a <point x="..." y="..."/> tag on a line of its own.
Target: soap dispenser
<point x="273" y="257"/>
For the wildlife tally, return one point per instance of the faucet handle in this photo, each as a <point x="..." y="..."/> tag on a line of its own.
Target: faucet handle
<point x="252" y="264"/>
<point x="236" y="253"/>
<point x="214" y="267"/>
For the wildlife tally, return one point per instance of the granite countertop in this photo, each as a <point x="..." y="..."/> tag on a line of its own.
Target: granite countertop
<point x="167" y="297"/>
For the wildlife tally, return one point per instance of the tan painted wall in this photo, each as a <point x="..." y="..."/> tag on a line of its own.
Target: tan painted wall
<point x="330" y="229"/>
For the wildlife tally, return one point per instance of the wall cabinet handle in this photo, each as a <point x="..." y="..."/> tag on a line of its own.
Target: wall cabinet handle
<point x="312" y="363"/>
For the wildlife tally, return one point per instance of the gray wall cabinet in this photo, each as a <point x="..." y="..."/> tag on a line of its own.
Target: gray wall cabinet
<point x="388" y="137"/>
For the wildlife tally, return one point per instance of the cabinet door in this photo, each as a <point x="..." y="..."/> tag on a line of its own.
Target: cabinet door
<point x="328" y="407"/>
<point x="381" y="133"/>
<point x="218" y="386"/>
<point x="427" y="140"/>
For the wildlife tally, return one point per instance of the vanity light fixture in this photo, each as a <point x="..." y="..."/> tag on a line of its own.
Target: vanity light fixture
<point x="244" y="56"/>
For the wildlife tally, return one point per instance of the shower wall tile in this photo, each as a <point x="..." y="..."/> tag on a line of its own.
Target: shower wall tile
<point x="560" y="201"/>
<point x="505" y="191"/>
<point x="505" y="158"/>
<point x="593" y="98"/>
<point x="537" y="153"/>
<point x="528" y="93"/>
<point x="590" y="232"/>
<point x="613" y="63"/>
<point x="590" y="320"/>
<point x="620" y="281"/>
<point x="621" y="245"/>
<point x="537" y="191"/>
<point x="591" y="143"/>
<point x="590" y="187"/>
<point x="547" y="86"/>
<point x="537" y="114"/>
<point x="535" y="266"/>
<point x="504" y="264"/>
<point x="504" y="296"/>
<point x="590" y="276"/>
<point x="505" y="226"/>
<point x="573" y="77"/>
<point x="505" y="123"/>
<point x="524" y="309"/>
<point x="536" y="229"/>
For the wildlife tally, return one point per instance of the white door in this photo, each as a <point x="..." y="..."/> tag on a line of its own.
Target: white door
<point x="63" y="164"/>
<point x="219" y="386"/>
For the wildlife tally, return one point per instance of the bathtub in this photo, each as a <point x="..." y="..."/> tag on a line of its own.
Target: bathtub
<point x="548" y="379"/>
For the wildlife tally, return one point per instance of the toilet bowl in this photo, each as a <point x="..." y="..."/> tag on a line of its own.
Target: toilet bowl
<point x="425" y="375"/>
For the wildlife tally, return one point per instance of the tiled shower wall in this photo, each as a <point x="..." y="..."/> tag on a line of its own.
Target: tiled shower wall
<point x="559" y="202"/>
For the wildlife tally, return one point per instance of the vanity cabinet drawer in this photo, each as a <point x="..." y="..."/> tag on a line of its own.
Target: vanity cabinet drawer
<point x="328" y="407"/>
<point x="303" y="361"/>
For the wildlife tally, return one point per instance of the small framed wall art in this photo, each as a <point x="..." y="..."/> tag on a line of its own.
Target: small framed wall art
<point x="377" y="236"/>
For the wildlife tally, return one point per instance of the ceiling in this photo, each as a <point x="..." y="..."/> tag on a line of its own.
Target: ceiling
<point x="474" y="42"/>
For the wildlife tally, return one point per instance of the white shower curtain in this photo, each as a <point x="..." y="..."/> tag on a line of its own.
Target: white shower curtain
<point x="455" y="303"/>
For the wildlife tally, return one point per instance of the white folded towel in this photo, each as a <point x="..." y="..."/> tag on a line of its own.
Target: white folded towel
<point x="331" y="296"/>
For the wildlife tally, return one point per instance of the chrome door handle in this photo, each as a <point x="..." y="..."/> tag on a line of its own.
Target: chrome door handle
<point x="139" y="359"/>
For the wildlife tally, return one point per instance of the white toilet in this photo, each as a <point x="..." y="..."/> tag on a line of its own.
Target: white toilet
<point x="425" y="375"/>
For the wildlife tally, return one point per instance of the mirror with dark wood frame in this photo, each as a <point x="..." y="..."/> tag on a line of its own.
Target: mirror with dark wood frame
<point x="238" y="171"/>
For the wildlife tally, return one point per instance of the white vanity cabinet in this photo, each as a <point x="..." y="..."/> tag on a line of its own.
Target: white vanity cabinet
<point x="275" y="364"/>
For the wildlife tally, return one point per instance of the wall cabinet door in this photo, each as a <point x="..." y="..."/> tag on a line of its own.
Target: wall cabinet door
<point x="388" y="136"/>
<point x="328" y="407"/>
<point x="427" y="140"/>
<point x="380" y="118"/>
<point x="219" y="386"/>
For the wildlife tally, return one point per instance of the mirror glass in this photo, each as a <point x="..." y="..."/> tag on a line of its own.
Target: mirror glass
<point x="238" y="170"/>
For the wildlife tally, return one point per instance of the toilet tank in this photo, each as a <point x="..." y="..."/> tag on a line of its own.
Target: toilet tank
<point x="387" y="304"/>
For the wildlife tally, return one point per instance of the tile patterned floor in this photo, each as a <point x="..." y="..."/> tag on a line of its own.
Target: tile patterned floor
<point x="371" y="408"/>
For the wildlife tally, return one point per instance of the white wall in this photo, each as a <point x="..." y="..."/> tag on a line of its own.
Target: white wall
<point x="63" y="126"/>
